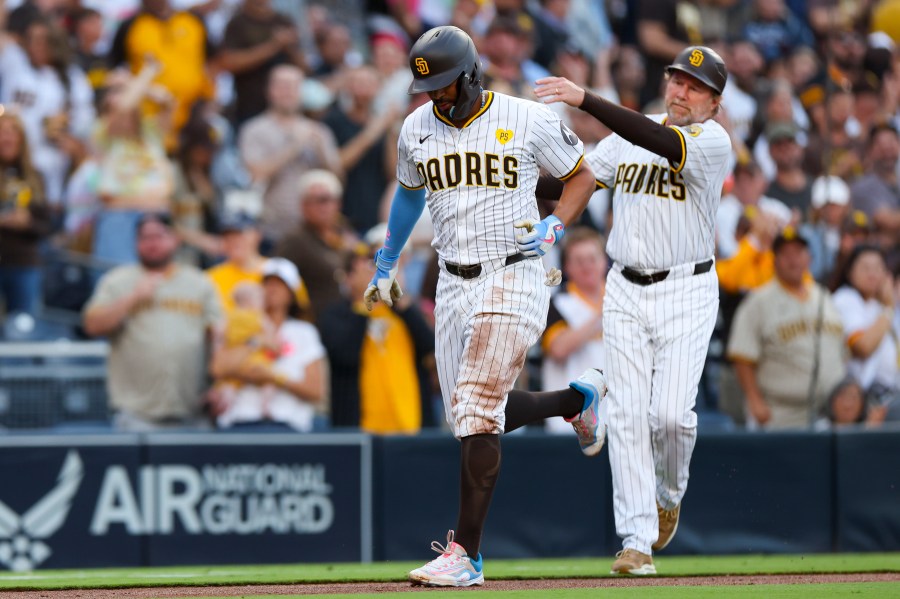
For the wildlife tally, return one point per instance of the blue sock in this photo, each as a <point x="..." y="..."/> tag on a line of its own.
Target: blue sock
<point x="587" y="395"/>
<point x="476" y="562"/>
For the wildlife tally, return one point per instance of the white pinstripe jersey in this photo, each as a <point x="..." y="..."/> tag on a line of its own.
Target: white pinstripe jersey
<point x="481" y="179"/>
<point x="664" y="215"/>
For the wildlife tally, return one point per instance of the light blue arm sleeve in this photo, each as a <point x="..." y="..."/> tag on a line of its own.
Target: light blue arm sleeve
<point x="406" y="208"/>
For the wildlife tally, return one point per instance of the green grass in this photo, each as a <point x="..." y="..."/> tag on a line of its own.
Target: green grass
<point x="881" y="590"/>
<point x="396" y="571"/>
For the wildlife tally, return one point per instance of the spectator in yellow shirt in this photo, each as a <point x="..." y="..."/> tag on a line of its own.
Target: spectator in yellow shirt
<point x="178" y="41"/>
<point x="752" y="265"/>
<point x="243" y="262"/>
<point x="379" y="375"/>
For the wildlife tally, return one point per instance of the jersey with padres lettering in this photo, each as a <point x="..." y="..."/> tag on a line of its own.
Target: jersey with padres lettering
<point x="480" y="179"/>
<point x="671" y="206"/>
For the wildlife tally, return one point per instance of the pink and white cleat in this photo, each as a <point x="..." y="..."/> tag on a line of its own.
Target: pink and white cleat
<point x="453" y="568"/>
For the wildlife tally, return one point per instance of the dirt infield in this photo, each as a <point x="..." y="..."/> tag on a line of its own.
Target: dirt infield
<point x="493" y="585"/>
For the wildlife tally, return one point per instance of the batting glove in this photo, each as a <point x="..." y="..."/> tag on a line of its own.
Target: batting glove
<point x="384" y="285"/>
<point x="540" y="237"/>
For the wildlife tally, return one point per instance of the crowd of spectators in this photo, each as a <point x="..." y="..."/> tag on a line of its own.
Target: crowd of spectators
<point x="224" y="167"/>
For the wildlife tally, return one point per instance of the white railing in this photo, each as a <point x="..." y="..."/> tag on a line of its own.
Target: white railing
<point x="54" y="349"/>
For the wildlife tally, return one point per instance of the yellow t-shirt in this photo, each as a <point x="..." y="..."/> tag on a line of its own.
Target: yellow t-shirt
<point x="227" y="276"/>
<point x="886" y="17"/>
<point x="749" y="268"/>
<point x="242" y="325"/>
<point x="388" y="382"/>
<point x="180" y="45"/>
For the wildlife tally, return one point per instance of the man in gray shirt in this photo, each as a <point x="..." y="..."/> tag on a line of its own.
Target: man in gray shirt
<point x="157" y="316"/>
<point x="279" y="146"/>
<point x="877" y="193"/>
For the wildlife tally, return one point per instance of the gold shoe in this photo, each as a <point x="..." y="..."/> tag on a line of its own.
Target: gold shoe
<point x="668" y="524"/>
<point x="631" y="561"/>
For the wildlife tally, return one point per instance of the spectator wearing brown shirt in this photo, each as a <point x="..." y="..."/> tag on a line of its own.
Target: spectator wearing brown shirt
<point x="664" y="28"/>
<point x="320" y="244"/>
<point x="257" y="39"/>
<point x="367" y="150"/>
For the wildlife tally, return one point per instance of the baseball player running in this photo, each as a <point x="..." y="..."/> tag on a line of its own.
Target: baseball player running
<point x="662" y="293"/>
<point x="474" y="157"/>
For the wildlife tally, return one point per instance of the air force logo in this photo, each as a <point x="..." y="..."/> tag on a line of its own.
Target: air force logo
<point x="21" y="537"/>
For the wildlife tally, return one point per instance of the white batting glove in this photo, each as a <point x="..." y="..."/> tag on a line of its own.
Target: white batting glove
<point x="540" y="237"/>
<point x="384" y="285"/>
<point x="553" y="277"/>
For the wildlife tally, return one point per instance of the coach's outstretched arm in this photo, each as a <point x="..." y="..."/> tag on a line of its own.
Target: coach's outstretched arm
<point x="406" y="208"/>
<point x="629" y="124"/>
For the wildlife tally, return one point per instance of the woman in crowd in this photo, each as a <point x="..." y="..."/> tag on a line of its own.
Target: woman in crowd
<point x="197" y="197"/>
<point x="135" y="175"/>
<point x="283" y="395"/>
<point x="865" y="299"/>
<point x="24" y="219"/>
<point x="53" y="98"/>
<point x="847" y="407"/>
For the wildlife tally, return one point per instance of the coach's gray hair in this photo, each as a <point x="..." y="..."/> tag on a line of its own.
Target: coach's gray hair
<point x="321" y="177"/>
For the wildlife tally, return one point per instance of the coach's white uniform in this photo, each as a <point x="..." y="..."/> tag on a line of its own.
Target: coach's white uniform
<point x="657" y="335"/>
<point x="479" y="180"/>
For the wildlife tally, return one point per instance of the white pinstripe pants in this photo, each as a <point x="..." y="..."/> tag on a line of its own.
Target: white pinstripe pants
<point x="484" y="328"/>
<point x="656" y="337"/>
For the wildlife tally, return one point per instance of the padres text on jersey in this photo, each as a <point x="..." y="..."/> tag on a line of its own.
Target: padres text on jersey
<point x="664" y="213"/>
<point x="480" y="179"/>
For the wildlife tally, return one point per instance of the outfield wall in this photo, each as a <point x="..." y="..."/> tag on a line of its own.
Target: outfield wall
<point x="127" y="500"/>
